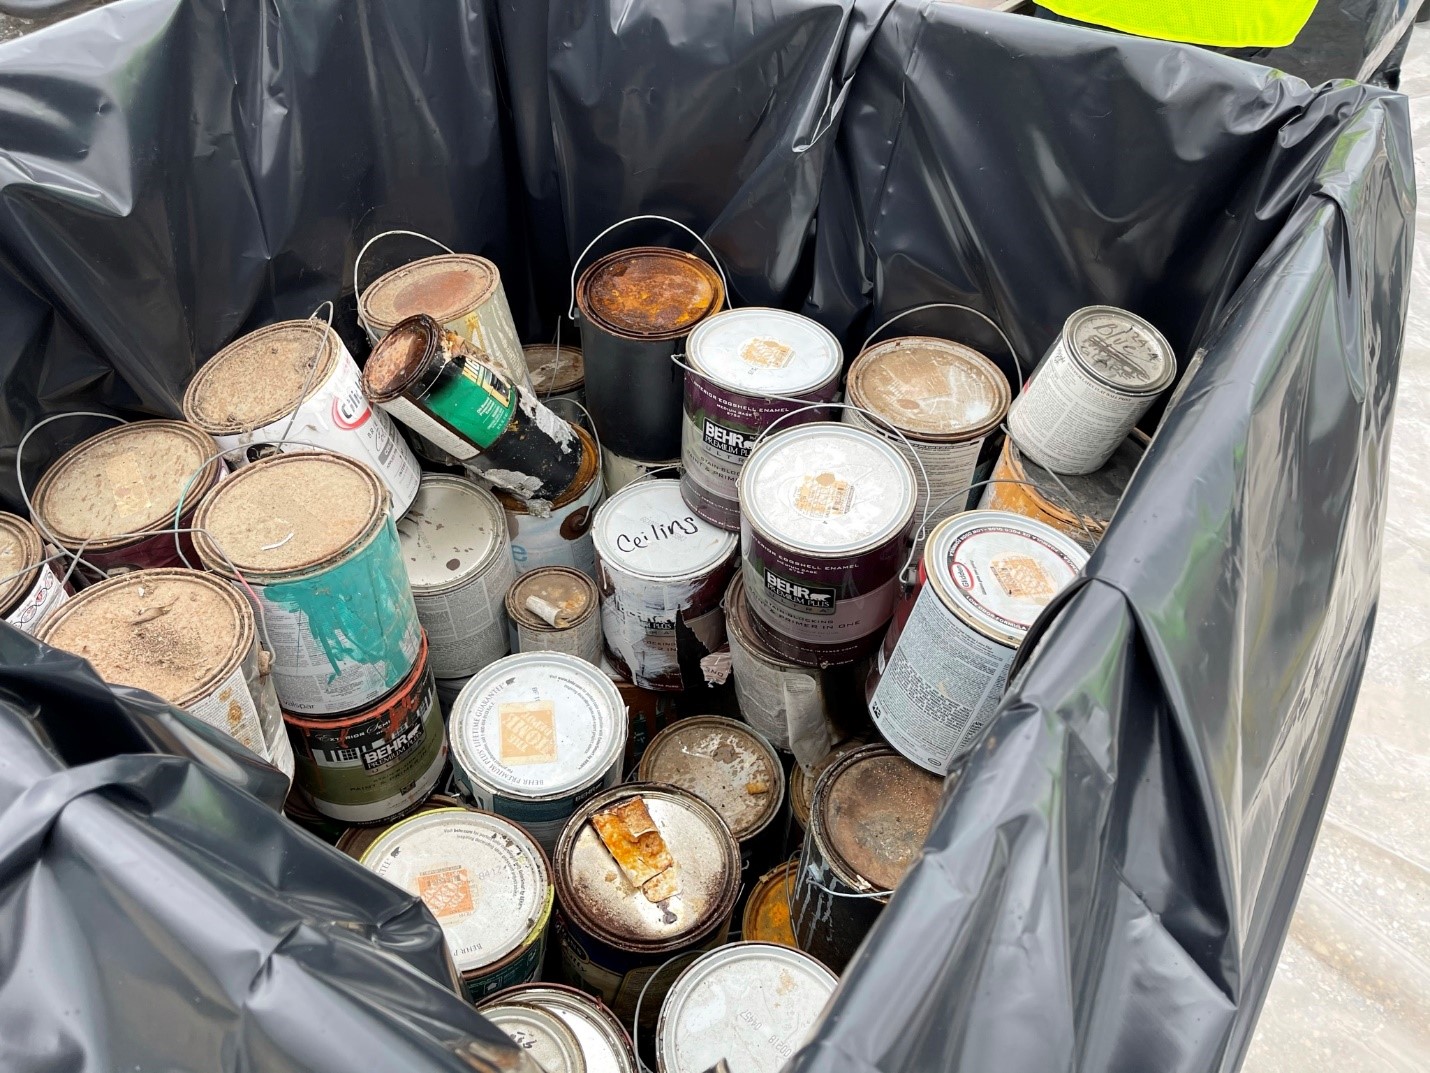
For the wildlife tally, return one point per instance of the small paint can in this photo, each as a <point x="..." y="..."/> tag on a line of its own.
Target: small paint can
<point x="309" y="537"/>
<point x="766" y="918"/>
<point x="556" y="609"/>
<point x="604" y="1043"/>
<point x="534" y="735"/>
<point x="126" y="481"/>
<point x="868" y="819"/>
<point x="184" y="636"/>
<point x="741" y="358"/>
<point x="33" y="587"/>
<point x="984" y="577"/>
<point x="459" y="563"/>
<point x="750" y="1004"/>
<point x="827" y="509"/>
<point x="618" y="471"/>
<point x="557" y="373"/>
<point x="296" y="380"/>
<point x="487" y="883"/>
<point x="612" y="939"/>
<point x="557" y="532"/>
<point x="662" y="572"/>
<point x="548" y="1041"/>
<point x="1100" y="376"/>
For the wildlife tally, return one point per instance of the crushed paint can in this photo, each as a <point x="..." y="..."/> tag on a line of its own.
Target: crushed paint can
<point x="557" y="532"/>
<point x="548" y="1041"/>
<point x="296" y="380"/>
<point x="557" y="373"/>
<point x="309" y="537"/>
<point x="662" y="572"/>
<point x="618" y="471"/>
<point x="984" y="577"/>
<point x="827" y="509"/>
<point x="868" y="820"/>
<point x="742" y="358"/>
<point x="556" y="609"/>
<point x="604" y="1043"/>
<point x="1100" y="376"/>
<point x="33" y="587"/>
<point x="766" y="918"/>
<point x="751" y="1004"/>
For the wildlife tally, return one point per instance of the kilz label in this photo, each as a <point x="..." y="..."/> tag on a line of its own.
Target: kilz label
<point x="816" y="599"/>
<point x="727" y="441"/>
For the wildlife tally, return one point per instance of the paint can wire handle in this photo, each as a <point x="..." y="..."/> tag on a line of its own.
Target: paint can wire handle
<point x="571" y="310"/>
<point x="357" y="264"/>
<point x="636" y="1020"/>
<point x="312" y="365"/>
<point x="1012" y="350"/>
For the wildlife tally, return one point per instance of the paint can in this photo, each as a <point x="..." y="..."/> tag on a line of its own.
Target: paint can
<point x="612" y="938"/>
<point x="252" y="392"/>
<point x="545" y="1039"/>
<point x="558" y="373"/>
<point x="298" y="807"/>
<point x="487" y="883"/>
<point x="604" y="1043"/>
<point x="448" y="690"/>
<point x="662" y="572"/>
<point x="750" y="1004"/>
<point x="184" y="636"/>
<point x="741" y="358"/>
<point x="534" y="735"/>
<point x="1100" y="376"/>
<point x="556" y="609"/>
<point x="557" y="532"/>
<point x="309" y="537"/>
<point x="984" y="577"/>
<point x="35" y="587"/>
<point x="618" y="471"/>
<point x="124" y="481"/>
<point x="802" y="782"/>
<point x="868" y="820"/>
<point x="827" y="509"/>
<point x="766" y="918"/>
<point x="647" y="713"/>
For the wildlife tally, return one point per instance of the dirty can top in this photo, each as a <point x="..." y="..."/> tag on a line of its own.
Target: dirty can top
<point x="801" y="786"/>
<point x="571" y="593"/>
<point x="764" y="351"/>
<point x="20" y="549"/>
<point x="554" y="369"/>
<point x="400" y="357"/>
<point x="546" y="1038"/>
<point x="930" y="388"/>
<point x="444" y="287"/>
<point x="725" y="764"/>
<point x="261" y="377"/>
<point x="604" y="1043"/>
<point x="1120" y="349"/>
<point x="646" y="529"/>
<point x="452" y="532"/>
<point x="649" y="292"/>
<point x="767" y="918"/>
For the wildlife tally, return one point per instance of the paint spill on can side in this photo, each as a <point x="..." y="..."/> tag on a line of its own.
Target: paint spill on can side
<point x="617" y="471"/>
<point x="766" y="918"/>
<point x="557" y="532"/>
<point x="35" y="588"/>
<point x="555" y="609"/>
<point x="604" y="1043"/>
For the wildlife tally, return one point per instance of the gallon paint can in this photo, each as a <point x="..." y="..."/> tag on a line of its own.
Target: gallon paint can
<point x="548" y="1041"/>
<point x="741" y="358"/>
<point x="604" y="1043"/>
<point x="827" y="509"/>
<point x="558" y="373"/>
<point x="555" y="609"/>
<point x="33" y="587"/>
<point x="312" y="542"/>
<point x="1100" y="376"/>
<point x="296" y="380"/>
<point x="766" y="918"/>
<point x="618" y="471"/>
<point x="985" y="576"/>
<point x="458" y="560"/>
<point x="662" y="573"/>
<point x="557" y="532"/>
<point x="534" y="735"/>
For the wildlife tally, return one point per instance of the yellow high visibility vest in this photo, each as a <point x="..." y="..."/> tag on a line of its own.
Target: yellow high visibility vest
<point x="1227" y="23"/>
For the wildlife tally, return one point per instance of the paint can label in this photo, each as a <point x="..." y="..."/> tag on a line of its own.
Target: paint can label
<point x="492" y="330"/>
<point x="816" y="602"/>
<point x="951" y="468"/>
<point x="467" y="627"/>
<point x="46" y="593"/>
<point x="230" y="708"/>
<point x="562" y="538"/>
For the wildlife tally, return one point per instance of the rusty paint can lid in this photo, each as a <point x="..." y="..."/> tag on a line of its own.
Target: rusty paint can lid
<point x="649" y="293"/>
<point x="546" y="1038"/>
<point x="444" y="287"/>
<point x="570" y="593"/>
<point x="724" y="763"/>
<point x="554" y="370"/>
<point x="177" y="633"/>
<point x="647" y="531"/>
<point x="761" y="351"/>
<point x="801" y="784"/>
<point x="604" y="1043"/>
<point x="930" y="389"/>
<point x="1120" y="349"/>
<point x="260" y="377"/>
<point x="454" y="532"/>
<point x="767" y="918"/>
<point x="21" y="549"/>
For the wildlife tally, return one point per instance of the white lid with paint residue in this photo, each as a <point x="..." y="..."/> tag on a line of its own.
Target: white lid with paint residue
<point x="646" y="529"/>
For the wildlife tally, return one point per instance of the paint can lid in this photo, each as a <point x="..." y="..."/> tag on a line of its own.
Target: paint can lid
<point x="997" y="570"/>
<point x="20" y="550"/>
<point x="1092" y="497"/>
<point x="646" y="529"/>
<point x="1120" y="349"/>
<point x="767" y="918"/>
<point x="260" y="377"/>
<point x="801" y="785"/>
<point x="724" y="763"/>
<point x="827" y="489"/>
<point x="752" y="1004"/>
<point x="649" y="292"/>
<point x="545" y="1037"/>
<point x="763" y="351"/>
<point x="604" y="1043"/>
<point x="444" y="287"/>
<point x="454" y="531"/>
<point x="554" y="370"/>
<point x="484" y="878"/>
<point x="928" y="388"/>
<point x="571" y="594"/>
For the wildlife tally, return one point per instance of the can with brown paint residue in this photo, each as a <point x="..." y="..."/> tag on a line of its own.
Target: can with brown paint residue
<point x="802" y="782"/>
<point x="605" y="1044"/>
<point x="557" y="532"/>
<point x="557" y="373"/>
<point x="33" y="587"/>
<point x="618" y="471"/>
<point x="554" y="609"/>
<point x="766" y="918"/>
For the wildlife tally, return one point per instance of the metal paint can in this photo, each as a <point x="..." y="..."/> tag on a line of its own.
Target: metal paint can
<point x="1100" y="376"/>
<point x="827" y="509"/>
<point x="459" y="563"/>
<point x="555" y="609"/>
<point x="751" y="1004"/>
<point x="612" y="939"/>
<point x="743" y="357"/>
<point x="487" y="883"/>
<point x="547" y="1040"/>
<point x="184" y="636"/>
<point x="636" y="308"/>
<point x="124" y="481"/>
<point x="766" y="918"/>
<point x="246" y="396"/>
<point x="802" y="782"/>
<point x="647" y="713"/>
<point x="448" y="690"/>
<point x="618" y="471"/>
<point x="534" y="735"/>
<point x="604" y="1043"/>
<point x="298" y="807"/>
<point x="313" y="543"/>
<point x="662" y="571"/>
<point x="557" y="532"/>
<point x="870" y="814"/>
<point x="557" y="373"/>
<point x="34" y="588"/>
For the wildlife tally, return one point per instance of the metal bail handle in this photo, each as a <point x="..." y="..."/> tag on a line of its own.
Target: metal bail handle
<point x="1012" y="351"/>
<point x="575" y="268"/>
<point x="312" y="368"/>
<point x="357" y="264"/>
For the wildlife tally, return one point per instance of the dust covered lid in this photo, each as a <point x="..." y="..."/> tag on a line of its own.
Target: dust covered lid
<point x="261" y="377"/>
<point x="453" y="531"/>
<point x="567" y="595"/>
<point x="444" y="287"/>
<point x="872" y="809"/>
<point x="762" y="351"/>
<point x="650" y="292"/>
<point x="546" y="1038"/>
<point x="1120" y="349"/>
<point x="603" y="1040"/>
<point x="647" y="530"/>
<point x="722" y="762"/>
<point x="554" y="369"/>
<point x="930" y="388"/>
<point x="20" y="548"/>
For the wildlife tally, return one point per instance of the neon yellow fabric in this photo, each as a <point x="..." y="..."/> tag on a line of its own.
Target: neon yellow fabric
<point x="1227" y="23"/>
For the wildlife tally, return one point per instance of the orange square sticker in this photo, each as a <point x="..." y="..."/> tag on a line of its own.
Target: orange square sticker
<point x="767" y="353"/>
<point x="823" y="495"/>
<point x="1022" y="578"/>
<point x="528" y="732"/>
<point x="447" y="891"/>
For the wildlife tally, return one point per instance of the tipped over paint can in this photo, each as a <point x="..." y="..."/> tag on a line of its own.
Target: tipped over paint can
<point x="555" y="609"/>
<point x="618" y="471"/>
<point x="33" y="587"/>
<point x="557" y="532"/>
<point x="604" y="1043"/>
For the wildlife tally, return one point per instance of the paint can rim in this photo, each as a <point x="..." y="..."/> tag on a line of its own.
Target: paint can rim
<point x="194" y="395"/>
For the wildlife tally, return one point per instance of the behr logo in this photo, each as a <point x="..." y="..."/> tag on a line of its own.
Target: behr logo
<point x="962" y="577"/>
<point x="725" y="439"/>
<point x="819" y="600"/>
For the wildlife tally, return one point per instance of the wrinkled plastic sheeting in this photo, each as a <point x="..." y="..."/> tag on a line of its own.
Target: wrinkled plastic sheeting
<point x="1347" y="39"/>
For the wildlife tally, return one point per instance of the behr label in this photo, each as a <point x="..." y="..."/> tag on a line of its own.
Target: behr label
<point x="816" y="598"/>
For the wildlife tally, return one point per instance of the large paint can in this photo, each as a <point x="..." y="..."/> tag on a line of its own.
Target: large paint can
<point x="548" y="1041"/>
<point x="618" y="471"/>
<point x="32" y="587"/>
<point x="309" y="537"/>
<point x="985" y="576"/>
<point x="555" y="609"/>
<point x="868" y="820"/>
<point x="751" y="1004"/>
<point x="184" y="636"/>
<point x="827" y="509"/>
<point x="1100" y="376"/>
<point x="662" y="571"/>
<point x="742" y="359"/>
<point x="296" y="380"/>
<point x="766" y="916"/>
<point x="459" y="563"/>
<point x="557" y="532"/>
<point x="558" y="373"/>
<point x="535" y="735"/>
<point x="604" y="1043"/>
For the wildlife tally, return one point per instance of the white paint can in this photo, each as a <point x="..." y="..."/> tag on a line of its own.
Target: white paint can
<point x="557" y="532"/>
<point x="556" y="609"/>
<point x="34" y="587"/>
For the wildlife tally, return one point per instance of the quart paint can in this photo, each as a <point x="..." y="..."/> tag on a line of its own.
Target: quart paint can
<point x="766" y="918"/>
<point x="751" y="1004"/>
<point x="33" y="587"/>
<point x="742" y="358"/>
<point x="542" y="1036"/>
<point x="618" y="471"/>
<point x="557" y="532"/>
<point x="557" y="373"/>
<point x="125" y="481"/>
<point x="556" y="609"/>
<point x="246" y="396"/>
<point x="985" y="576"/>
<point x="184" y="636"/>
<point x="534" y="735"/>
<point x="870" y="814"/>
<point x="454" y="545"/>
<point x="1100" y="376"/>
<point x="827" y="509"/>
<point x="313" y="543"/>
<point x="662" y="572"/>
<point x="612" y="938"/>
<point x="485" y="880"/>
<point x="604" y="1043"/>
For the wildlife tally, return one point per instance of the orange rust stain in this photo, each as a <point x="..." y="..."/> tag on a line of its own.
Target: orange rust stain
<point x="770" y="923"/>
<point x="651" y="295"/>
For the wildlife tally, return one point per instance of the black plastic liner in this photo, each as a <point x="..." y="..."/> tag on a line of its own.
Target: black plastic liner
<point x="1109" y="884"/>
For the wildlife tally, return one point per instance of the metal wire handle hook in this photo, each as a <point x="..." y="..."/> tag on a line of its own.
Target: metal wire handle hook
<point x="357" y="264"/>
<point x="571" y="311"/>
<point x="1013" y="352"/>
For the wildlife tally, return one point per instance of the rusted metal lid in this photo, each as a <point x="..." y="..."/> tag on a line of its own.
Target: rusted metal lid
<point x="570" y="594"/>
<point x="603" y="1040"/>
<point x="649" y="292"/>
<point x="725" y="764"/>
<point x="762" y="351"/>
<point x="177" y="633"/>
<point x="445" y="287"/>
<point x="400" y="357"/>
<point x="545" y="1037"/>
<point x="454" y="531"/>
<point x="260" y="377"/>
<point x="20" y="550"/>
<point x="1120" y="349"/>
<point x="930" y="389"/>
<point x="801" y="784"/>
<point x="767" y="917"/>
<point x="647" y="530"/>
<point x="554" y="369"/>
